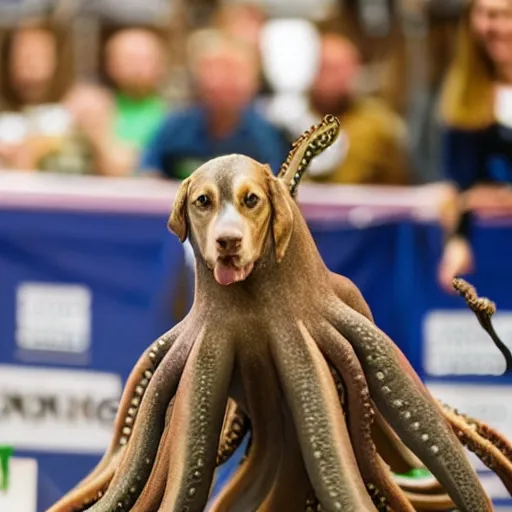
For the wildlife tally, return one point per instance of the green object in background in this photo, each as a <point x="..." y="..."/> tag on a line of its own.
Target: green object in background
<point x="137" y="119"/>
<point x="416" y="473"/>
<point x="5" y="455"/>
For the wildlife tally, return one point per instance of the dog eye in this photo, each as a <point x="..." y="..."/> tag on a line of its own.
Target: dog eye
<point x="203" y="200"/>
<point x="251" y="200"/>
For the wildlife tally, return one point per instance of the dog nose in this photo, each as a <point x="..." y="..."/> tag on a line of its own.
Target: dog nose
<point x="229" y="243"/>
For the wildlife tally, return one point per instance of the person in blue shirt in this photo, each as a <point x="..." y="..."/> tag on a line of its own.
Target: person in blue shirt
<point x="476" y="115"/>
<point x="223" y="120"/>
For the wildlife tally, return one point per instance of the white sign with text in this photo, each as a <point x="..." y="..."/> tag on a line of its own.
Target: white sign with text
<point x="57" y="410"/>
<point x="454" y="343"/>
<point x="53" y="317"/>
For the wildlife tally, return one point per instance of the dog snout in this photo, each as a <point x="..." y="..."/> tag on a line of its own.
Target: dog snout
<point x="229" y="242"/>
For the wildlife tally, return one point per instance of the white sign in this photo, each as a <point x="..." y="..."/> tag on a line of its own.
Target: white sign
<point x="53" y="317"/>
<point x="454" y="343"/>
<point x="13" y="128"/>
<point x="57" y="410"/>
<point x="21" y="495"/>
<point x="503" y="105"/>
<point x="489" y="403"/>
<point x="494" y="487"/>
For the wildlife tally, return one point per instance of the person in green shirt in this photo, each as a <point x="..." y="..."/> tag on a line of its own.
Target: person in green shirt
<point x="135" y="63"/>
<point x="119" y="123"/>
<point x="137" y="119"/>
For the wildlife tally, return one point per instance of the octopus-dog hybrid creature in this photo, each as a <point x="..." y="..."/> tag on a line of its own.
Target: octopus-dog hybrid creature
<point x="277" y="346"/>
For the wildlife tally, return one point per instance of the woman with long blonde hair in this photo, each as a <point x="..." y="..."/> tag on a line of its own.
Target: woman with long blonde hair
<point x="476" y="113"/>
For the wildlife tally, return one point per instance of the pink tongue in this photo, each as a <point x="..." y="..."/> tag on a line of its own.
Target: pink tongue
<point x="225" y="274"/>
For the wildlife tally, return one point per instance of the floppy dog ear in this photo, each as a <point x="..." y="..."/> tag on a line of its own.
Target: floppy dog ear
<point x="178" y="222"/>
<point x="282" y="221"/>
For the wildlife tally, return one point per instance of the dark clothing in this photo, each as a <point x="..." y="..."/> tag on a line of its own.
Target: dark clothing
<point x="479" y="156"/>
<point x="483" y="156"/>
<point x="182" y="143"/>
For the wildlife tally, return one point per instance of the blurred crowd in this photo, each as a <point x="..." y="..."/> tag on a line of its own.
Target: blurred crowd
<point x="423" y="90"/>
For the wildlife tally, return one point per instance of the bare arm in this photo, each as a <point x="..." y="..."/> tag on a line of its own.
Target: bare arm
<point x="92" y="108"/>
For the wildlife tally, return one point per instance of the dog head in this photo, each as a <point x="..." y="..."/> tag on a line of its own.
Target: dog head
<point x="231" y="207"/>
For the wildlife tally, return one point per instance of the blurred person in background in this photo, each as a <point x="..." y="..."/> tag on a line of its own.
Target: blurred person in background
<point x="476" y="113"/>
<point x="371" y="146"/>
<point x="223" y="120"/>
<point x="32" y="60"/>
<point x="34" y="63"/>
<point x="119" y="123"/>
<point x="243" y="21"/>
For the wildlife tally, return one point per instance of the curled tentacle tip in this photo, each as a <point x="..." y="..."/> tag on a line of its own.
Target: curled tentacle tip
<point x="462" y="286"/>
<point x="486" y="306"/>
<point x="477" y="304"/>
<point x="329" y="118"/>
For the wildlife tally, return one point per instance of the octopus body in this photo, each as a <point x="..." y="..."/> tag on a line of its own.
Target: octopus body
<point x="332" y="405"/>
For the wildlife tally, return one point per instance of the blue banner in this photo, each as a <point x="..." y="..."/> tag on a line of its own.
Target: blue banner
<point x="87" y="292"/>
<point x="118" y="275"/>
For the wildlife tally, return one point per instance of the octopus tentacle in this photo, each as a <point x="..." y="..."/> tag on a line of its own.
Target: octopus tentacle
<point x="323" y="437"/>
<point x="310" y="144"/>
<point x="350" y="294"/>
<point x="491" y="435"/>
<point x="411" y="411"/>
<point x="430" y="486"/>
<point x="196" y="423"/>
<point x="152" y="493"/>
<point x="232" y="435"/>
<point x="483" y="309"/>
<point x="291" y="474"/>
<point x="389" y="446"/>
<point x="254" y="479"/>
<point x="430" y="502"/>
<point x="236" y="425"/>
<point x="312" y="503"/>
<point x="248" y="446"/>
<point x="149" y="425"/>
<point x="91" y="488"/>
<point x="485" y="431"/>
<point x="92" y="491"/>
<point x="360" y="414"/>
<point x="494" y="454"/>
<point x="425" y="494"/>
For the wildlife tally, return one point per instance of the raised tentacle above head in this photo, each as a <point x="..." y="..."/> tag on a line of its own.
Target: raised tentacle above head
<point x="310" y="144"/>
<point x="483" y="309"/>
